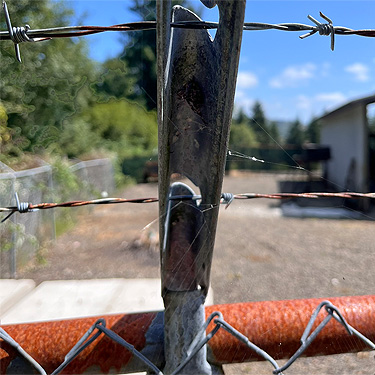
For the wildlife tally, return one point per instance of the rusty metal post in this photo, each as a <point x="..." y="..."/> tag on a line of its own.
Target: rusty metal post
<point x="196" y="86"/>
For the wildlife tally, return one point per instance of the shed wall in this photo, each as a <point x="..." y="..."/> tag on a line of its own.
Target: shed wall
<point x="346" y="134"/>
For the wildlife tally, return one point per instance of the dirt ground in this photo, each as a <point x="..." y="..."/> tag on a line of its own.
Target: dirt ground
<point x="259" y="255"/>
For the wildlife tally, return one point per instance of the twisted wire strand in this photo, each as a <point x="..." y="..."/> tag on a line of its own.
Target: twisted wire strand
<point x="226" y="198"/>
<point x="75" y="31"/>
<point x="24" y="34"/>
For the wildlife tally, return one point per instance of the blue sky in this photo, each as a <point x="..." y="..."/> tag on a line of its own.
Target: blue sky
<point x="292" y="78"/>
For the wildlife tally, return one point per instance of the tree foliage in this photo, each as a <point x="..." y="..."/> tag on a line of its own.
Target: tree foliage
<point x="296" y="134"/>
<point x="62" y="101"/>
<point x="274" y="132"/>
<point x="312" y="133"/>
<point x="138" y="59"/>
<point x="58" y="99"/>
<point x="259" y="124"/>
<point x="241" y="136"/>
<point x="51" y="84"/>
<point x="122" y="126"/>
<point x="140" y="55"/>
<point x="115" y="80"/>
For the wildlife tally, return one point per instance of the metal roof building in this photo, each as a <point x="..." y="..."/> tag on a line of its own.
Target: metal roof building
<point x="352" y="143"/>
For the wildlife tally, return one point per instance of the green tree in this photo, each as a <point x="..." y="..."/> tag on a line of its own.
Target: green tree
<point x="312" y="133"/>
<point x="51" y="84"/>
<point x="241" y="136"/>
<point x="140" y="55"/>
<point x="240" y="117"/>
<point x="139" y="59"/>
<point x="296" y="134"/>
<point x="274" y="132"/>
<point x="122" y="126"/>
<point x="115" y="80"/>
<point x="5" y="132"/>
<point x="259" y="124"/>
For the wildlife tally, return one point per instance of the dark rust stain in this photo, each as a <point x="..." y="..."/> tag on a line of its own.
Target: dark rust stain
<point x="193" y="94"/>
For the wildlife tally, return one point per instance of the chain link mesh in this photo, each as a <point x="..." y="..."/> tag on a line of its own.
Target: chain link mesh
<point x="216" y="318"/>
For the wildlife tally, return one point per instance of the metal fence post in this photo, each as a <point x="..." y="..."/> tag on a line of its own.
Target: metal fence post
<point x="6" y="199"/>
<point x="196" y="85"/>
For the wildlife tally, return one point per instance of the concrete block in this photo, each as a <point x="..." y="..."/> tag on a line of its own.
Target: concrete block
<point x="65" y="299"/>
<point x="12" y="291"/>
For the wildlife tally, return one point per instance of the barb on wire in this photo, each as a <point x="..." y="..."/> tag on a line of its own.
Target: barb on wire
<point x="226" y="198"/>
<point x="25" y="34"/>
<point x="323" y="29"/>
<point x="18" y="34"/>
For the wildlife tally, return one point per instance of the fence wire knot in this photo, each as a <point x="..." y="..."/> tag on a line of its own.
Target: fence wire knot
<point x="323" y="29"/>
<point x="18" y="34"/>
<point x="227" y="198"/>
<point x="21" y="207"/>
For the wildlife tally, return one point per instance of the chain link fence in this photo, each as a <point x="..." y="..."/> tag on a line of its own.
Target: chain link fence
<point x="23" y="236"/>
<point x="213" y="324"/>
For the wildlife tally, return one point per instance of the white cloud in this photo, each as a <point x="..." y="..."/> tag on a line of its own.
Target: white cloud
<point x="360" y="71"/>
<point x="246" y="80"/>
<point x="294" y="76"/>
<point x="308" y="106"/>
<point x="304" y="102"/>
<point x="331" y="98"/>
<point x="325" y="69"/>
<point x="242" y="100"/>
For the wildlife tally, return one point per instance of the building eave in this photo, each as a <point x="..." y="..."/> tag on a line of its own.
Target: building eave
<point x="358" y="102"/>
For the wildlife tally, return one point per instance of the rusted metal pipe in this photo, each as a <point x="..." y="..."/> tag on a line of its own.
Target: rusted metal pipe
<point x="274" y="326"/>
<point x="49" y="342"/>
<point x="277" y="326"/>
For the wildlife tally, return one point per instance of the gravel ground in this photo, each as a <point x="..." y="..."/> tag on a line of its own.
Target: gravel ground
<point x="259" y="255"/>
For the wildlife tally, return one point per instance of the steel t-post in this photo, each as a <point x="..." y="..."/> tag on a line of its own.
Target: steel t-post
<point x="196" y="85"/>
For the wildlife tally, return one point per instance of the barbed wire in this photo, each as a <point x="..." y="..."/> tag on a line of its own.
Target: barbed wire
<point x="217" y="318"/>
<point x="226" y="198"/>
<point x="25" y="34"/>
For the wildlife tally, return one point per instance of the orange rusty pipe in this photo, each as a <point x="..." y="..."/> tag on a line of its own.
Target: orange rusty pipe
<point x="49" y="342"/>
<point x="277" y="326"/>
<point x="274" y="326"/>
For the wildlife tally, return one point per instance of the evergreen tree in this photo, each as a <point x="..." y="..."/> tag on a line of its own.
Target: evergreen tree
<point x="274" y="132"/>
<point x="241" y="117"/>
<point x="296" y="134"/>
<point x="313" y="131"/>
<point x="139" y="57"/>
<point x="259" y="124"/>
<point x="242" y="135"/>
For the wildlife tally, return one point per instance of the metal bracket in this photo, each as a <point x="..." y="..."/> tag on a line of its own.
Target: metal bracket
<point x="196" y="93"/>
